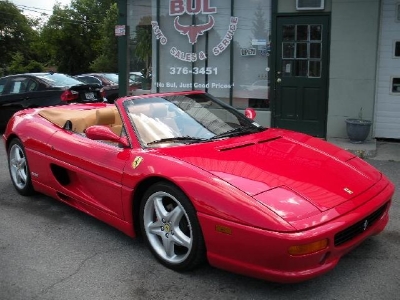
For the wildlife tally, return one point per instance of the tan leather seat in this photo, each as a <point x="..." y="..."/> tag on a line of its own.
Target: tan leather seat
<point x="105" y="116"/>
<point x="109" y="116"/>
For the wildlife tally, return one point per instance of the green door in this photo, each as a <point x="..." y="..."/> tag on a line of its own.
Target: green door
<point x="301" y="78"/>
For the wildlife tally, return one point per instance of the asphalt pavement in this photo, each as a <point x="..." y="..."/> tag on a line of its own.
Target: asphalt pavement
<point x="49" y="251"/>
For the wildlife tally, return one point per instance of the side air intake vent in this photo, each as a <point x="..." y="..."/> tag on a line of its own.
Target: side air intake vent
<point x="310" y="4"/>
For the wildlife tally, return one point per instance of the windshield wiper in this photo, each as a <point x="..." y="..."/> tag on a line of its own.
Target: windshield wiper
<point x="238" y="131"/>
<point x="179" y="139"/>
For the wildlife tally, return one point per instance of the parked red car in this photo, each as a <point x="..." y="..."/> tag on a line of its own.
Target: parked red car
<point x="201" y="181"/>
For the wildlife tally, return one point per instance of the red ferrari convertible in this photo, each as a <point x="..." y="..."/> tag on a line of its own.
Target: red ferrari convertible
<point x="201" y="181"/>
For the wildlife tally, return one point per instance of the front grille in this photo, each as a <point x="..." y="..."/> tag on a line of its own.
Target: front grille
<point x="358" y="228"/>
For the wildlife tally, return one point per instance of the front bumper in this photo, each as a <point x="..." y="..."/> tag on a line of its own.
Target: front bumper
<point x="264" y="254"/>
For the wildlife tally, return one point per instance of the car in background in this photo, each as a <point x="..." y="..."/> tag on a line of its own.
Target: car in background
<point x="28" y="90"/>
<point x="137" y="78"/>
<point x="109" y="82"/>
<point x="143" y="83"/>
<point x="89" y="79"/>
<point x="257" y="93"/>
<point x="257" y="90"/>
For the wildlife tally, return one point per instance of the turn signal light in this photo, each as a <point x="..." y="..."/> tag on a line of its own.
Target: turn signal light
<point x="308" y="248"/>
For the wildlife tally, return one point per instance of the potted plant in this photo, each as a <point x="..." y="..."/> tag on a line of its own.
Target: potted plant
<point x="358" y="129"/>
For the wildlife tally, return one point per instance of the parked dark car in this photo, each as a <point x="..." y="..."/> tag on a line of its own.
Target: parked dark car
<point x="136" y="77"/>
<point x="43" y="89"/>
<point x="109" y="82"/>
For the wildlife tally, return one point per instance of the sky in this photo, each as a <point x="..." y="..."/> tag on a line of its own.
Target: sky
<point x="36" y="7"/>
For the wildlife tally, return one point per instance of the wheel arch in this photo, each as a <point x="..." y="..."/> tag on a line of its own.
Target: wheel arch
<point x="9" y="139"/>
<point x="138" y="197"/>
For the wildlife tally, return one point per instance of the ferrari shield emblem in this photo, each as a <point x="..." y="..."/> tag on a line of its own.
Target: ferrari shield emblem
<point x="137" y="161"/>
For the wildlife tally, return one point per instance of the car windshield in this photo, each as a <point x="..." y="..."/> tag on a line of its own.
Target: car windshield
<point x="186" y="119"/>
<point x="59" y="80"/>
<point x="114" y="78"/>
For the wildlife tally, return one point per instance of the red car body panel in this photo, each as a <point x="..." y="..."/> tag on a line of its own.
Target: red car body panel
<point x="233" y="183"/>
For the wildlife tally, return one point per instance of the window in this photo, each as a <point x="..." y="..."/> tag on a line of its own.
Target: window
<point x="18" y="85"/>
<point x="31" y="85"/>
<point x="398" y="12"/>
<point x="395" y="86"/>
<point x="89" y="79"/>
<point x="218" y="46"/>
<point x="302" y="50"/>
<point x="396" y="49"/>
<point x="2" y="84"/>
<point x="309" y="4"/>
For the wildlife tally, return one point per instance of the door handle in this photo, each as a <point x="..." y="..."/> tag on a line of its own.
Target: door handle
<point x="279" y="80"/>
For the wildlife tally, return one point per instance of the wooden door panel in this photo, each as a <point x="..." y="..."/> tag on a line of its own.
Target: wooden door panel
<point x="288" y="103"/>
<point x="311" y="97"/>
<point x="302" y="74"/>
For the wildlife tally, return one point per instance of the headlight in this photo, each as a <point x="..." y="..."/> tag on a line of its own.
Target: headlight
<point x="287" y="204"/>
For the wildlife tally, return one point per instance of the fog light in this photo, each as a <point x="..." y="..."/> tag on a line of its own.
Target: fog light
<point x="308" y="248"/>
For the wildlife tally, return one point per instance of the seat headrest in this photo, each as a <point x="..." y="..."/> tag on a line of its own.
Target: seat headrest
<point x="105" y="116"/>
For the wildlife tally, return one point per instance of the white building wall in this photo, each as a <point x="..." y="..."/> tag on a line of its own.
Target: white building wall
<point x="353" y="62"/>
<point x="387" y="107"/>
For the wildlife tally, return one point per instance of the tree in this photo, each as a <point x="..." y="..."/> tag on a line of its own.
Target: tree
<point x="16" y="35"/>
<point x="19" y="65"/>
<point x="74" y="36"/>
<point x="107" y="61"/>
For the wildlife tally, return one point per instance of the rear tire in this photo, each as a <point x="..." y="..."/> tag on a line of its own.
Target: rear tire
<point x="19" y="169"/>
<point x="170" y="227"/>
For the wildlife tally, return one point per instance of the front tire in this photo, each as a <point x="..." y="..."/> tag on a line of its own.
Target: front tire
<point x="170" y="227"/>
<point x="19" y="169"/>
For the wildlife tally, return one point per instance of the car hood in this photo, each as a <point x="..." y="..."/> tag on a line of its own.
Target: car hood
<point x="319" y="172"/>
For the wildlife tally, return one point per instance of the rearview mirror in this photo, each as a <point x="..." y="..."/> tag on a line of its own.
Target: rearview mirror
<point x="104" y="133"/>
<point x="250" y="113"/>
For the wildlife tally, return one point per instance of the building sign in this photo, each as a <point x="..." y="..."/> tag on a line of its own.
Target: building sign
<point x="248" y="51"/>
<point x="178" y="8"/>
<point x="193" y="31"/>
<point x="259" y="42"/>
<point x="120" y="30"/>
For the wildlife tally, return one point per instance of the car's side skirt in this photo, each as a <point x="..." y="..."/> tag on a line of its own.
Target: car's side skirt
<point x="122" y="225"/>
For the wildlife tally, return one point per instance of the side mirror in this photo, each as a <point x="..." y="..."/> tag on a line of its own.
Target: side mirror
<point x="250" y="113"/>
<point x="104" y="133"/>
